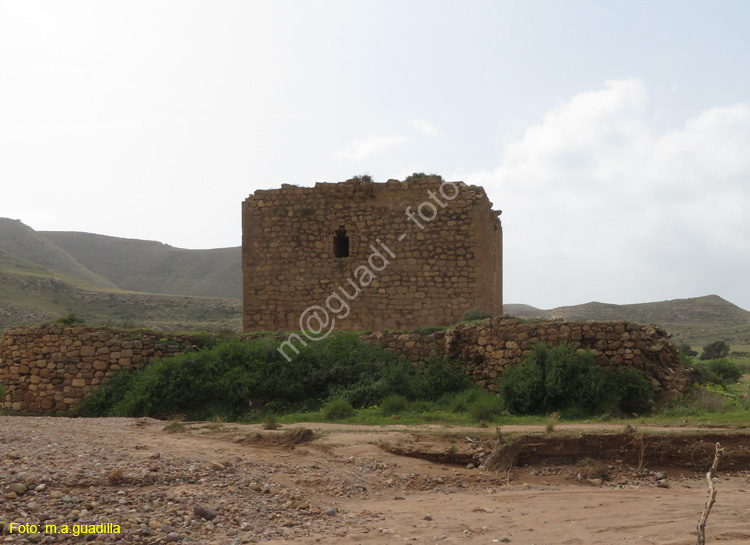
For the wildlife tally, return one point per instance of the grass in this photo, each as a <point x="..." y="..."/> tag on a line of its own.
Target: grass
<point x="551" y="422"/>
<point x="702" y="410"/>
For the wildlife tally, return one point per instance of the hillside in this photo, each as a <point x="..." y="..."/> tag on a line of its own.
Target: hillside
<point x="121" y="282"/>
<point x="697" y="320"/>
<point x="30" y="294"/>
<point x="153" y="267"/>
<point x="22" y="242"/>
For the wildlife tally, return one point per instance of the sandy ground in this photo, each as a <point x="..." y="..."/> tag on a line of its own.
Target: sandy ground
<point x="343" y="486"/>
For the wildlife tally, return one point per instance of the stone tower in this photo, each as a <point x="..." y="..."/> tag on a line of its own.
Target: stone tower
<point x="359" y="255"/>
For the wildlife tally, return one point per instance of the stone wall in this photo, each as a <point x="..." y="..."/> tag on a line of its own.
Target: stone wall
<point x="50" y="369"/>
<point x="488" y="347"/>
<point x="398" y="273"/>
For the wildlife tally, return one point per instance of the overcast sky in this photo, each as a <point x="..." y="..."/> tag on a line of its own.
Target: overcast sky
<point x="614" y="135"/>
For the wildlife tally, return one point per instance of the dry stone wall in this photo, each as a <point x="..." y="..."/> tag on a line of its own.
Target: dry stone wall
<point x="51" y="369"/>
<point x="488" y="347"/>
<point x="369" y="255"/>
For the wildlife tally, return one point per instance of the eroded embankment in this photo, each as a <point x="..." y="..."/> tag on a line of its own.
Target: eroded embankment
<point x="693" y="451"/>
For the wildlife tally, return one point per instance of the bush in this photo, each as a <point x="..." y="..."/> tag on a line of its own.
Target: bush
<point x="100" y="401"/>
<point x="686" y="349"/>
<point x="726" y="369"/>
<point x="70" y="319"/>
<point x="558" y="379"/>
<point x="231" y="377"/>
<point x="704" y="375"/>
<point x="522" y="388"/>
<point x="485" y="407"/>
<point x="338" y="409"/>
<point x="475" y="314"/>
<point x="629" y="391"/>
<point x="721" y="372"/>
<point x="440" y="376"/>
<point x="362" y="178"/>
<point x="420" y="175"/>
<point x="393" y="404"/>
<point x="715" y="350"/>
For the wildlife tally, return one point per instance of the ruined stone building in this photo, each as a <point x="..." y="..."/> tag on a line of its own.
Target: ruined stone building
<point x="360" y="255"/>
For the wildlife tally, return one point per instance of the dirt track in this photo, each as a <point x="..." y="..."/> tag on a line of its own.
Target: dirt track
<point x="347" y="486"/>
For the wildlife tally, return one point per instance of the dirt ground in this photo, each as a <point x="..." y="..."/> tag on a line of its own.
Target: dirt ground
<point x="209" y="483"/>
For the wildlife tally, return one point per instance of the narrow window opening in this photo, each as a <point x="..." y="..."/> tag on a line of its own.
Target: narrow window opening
<point x="341" y="243"/>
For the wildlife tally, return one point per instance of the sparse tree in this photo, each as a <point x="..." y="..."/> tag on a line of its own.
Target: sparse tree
<point x="686" y="349"/>
<point x="715" y="350"/>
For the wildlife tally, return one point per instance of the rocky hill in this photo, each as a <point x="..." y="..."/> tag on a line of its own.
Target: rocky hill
<point x="697" y="321"/>
<point x="119" y="282"/>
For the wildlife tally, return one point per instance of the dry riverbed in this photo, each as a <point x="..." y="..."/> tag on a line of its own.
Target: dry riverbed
<point x="230" y="484"/>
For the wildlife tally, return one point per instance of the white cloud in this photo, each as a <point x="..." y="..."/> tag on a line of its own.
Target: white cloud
<point x="366" y="147"/>
<point x="599" y="206"/>
<point x="425" y="127"/>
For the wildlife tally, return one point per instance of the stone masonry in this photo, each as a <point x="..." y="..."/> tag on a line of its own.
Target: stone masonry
<point x="360" y="255"/>
<point x="51" y="369"/>
<point x="488" y="347"/>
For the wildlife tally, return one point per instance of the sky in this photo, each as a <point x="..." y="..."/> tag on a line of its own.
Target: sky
<point x="614" y="135"/>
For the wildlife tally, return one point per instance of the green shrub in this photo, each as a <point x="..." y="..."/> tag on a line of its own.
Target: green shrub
<point x="630" y="391"/>
<point x="461" y="401"/>
<point x="338" y="409"/>
<point x="230" y="377"/>
<point x="393" y="404"/>
<point x="522" y="387"/>
<point x="704" y="373"/>
<point x="715" y="350"/>
<point x="572" y="380"/>
<point x="420" y="175"/>
<point x="101" y="400"/>
<point x="70" y="319"/>
<point x="686" y="360"/>
<point x="475" y="314"/>
<point x="440" y="376"/>
<point x="558" y="379"/>
<point x="2" y="391"/>
<point x="362" y="178"/>
<point x="485" y="407"/>
<point x="726" y="369"/>
<point x="685" y="349"/>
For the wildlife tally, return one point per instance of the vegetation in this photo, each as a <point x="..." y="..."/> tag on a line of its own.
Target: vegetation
<point x="720" y="372"/>
<point x="343" y="379"/>
<point x="558" y="379"/>
<point x="475" y="314"/>
<point x="420" y="175"/>
<point x="362" y="178"/>
<point x="715" y="350"/>
<point x="70" y="319"/>
<point x="686" y="350"/>
<point x="338" y="409"/>
<point x="231" y="377"/>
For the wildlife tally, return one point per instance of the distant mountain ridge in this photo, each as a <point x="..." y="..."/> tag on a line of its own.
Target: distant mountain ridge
<point x="121" y="282"/>
<point x="697" y="320"/>
<point x="153" y="267"/>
